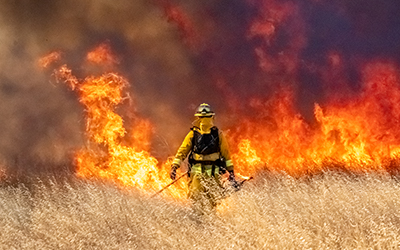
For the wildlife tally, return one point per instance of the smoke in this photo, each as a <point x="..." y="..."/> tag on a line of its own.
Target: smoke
<point x="178" y="54"/>
<point x="44" y="120"/>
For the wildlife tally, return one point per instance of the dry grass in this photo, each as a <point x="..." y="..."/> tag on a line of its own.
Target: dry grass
<point x="330" y="211"/>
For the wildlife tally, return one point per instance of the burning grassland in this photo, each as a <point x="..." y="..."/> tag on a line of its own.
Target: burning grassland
<point x="293" y="82"/>
<point x="110" y="154"/>
<point x="274" y="212"/>
<point x="361" y="133"/>
<point x="356" y="135"/>
<point x="302" y="89"/>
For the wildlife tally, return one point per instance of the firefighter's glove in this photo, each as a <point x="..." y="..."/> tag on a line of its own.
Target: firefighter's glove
<point x="172" y="174"/>
<point x="222" y="170"/>
<point x="233" y="181"/>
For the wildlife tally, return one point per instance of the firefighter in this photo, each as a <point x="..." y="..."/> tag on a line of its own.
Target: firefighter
<point x="209" y="157"/>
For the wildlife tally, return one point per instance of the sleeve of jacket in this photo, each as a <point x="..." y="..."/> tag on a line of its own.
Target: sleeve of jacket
<point x="184" y="149"/>
<point x="225" y="151"/>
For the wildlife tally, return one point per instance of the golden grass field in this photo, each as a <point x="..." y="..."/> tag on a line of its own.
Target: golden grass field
<point x="329" y="211"/>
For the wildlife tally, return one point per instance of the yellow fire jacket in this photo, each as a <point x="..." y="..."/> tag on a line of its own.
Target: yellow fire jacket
<point x="186" y="147"/>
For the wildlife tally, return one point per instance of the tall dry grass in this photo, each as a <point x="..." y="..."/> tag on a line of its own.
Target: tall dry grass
<point x="329" y="211"/>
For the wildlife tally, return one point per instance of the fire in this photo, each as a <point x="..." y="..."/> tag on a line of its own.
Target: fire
<point x="351" y="130"/>
<point x="246" y="159"/>
<point x="358" y="134"/>
<point x="109" y="155"/>
<point x="52" y="57"/>
<point x="102" y="55"/>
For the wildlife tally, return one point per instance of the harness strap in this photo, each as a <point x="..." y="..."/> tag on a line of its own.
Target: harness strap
<point x="202" y="168"/>
<point x="204" y="162"/>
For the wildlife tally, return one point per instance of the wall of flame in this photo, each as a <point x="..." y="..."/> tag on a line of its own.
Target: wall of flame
<point x="297" y="85"/>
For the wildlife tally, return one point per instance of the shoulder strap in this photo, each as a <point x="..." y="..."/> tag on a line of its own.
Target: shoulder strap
<point x="195" y="130"/>
<point x="215" y="134"/>
<point x="191" y="160"/>
<point x="214" y="131"/>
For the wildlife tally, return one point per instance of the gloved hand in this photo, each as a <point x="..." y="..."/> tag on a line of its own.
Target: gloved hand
<point x="233" y="180"/>
<point x="172" y="174"/>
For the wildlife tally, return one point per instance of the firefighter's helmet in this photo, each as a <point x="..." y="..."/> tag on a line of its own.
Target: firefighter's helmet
<point x="204" y="110"/>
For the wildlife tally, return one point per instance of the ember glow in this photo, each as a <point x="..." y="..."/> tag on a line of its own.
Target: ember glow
<point x="102" y="54"/>
<point x="47" y="60"/>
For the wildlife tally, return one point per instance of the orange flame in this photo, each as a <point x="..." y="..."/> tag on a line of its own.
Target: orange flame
<point x="52" y="57"/>
<point x="102" y="55"/>
<point x="361" y="134"/>
<point x="358" y="134"/>
<point x="106" y="155"/>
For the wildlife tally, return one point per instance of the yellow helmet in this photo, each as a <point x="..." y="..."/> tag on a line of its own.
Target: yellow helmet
<point x="204" y="110"/>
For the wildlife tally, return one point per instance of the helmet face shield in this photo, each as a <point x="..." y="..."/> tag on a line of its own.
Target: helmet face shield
<point x="204" y="110"/>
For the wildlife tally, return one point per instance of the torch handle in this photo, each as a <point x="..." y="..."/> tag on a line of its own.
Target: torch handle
<point x="172" y="183"/>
